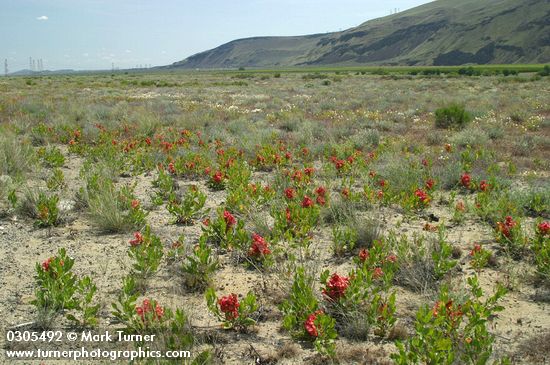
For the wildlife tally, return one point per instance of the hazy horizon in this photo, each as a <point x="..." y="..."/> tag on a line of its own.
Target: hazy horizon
<point x="95" y="34"/>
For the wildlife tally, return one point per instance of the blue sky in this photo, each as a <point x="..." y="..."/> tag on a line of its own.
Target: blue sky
<point x="93" y="34"/>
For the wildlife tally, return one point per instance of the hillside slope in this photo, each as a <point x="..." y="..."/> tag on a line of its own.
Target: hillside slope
<point x="443" y="32"/>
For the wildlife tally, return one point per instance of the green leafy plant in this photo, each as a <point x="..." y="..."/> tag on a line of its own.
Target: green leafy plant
<point x="359" y="303"/>
<point x="166" y="187"/>
<point x="124" y="308"/>
<point x="295" y="222"/>
<point x="51" y="156"/>
<point x="146" y="251"/>
<point x="510" y="236"/>
<point x="47" y="210"/>
<point x="479" y="257"/>
<point x="344" y="239"/>
<point x="58" y="289"/>
<point x="171" y="328"/>
<point x="454" y="330"/>
<point x="303" y="318"/>
<point x="56" y="283"/>
<point x="56" y="181"/>
<point x="200" y="266"/>
<point x="442" y="254"/>
<point x="189" y="208"/>
<point x="86" y="311"/>
<point x="320" y="328"/>
<point x="300" y="304"/>
<point x="225" y="231"/>
<point x="217" y="181"/>
<point x="541" y="248"/>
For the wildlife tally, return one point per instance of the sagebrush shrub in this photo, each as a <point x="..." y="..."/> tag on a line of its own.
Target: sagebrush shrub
<point x="452" y="116"/>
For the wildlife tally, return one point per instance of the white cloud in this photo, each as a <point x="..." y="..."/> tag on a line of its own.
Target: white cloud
<point x="128" y="51"/>
<point x="43" y="17"/>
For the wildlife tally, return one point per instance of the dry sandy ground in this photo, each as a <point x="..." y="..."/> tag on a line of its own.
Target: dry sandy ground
<point x="104" y="258"/>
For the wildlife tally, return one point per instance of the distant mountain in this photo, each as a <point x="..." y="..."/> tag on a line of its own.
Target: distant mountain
<point x="443" y="32"/>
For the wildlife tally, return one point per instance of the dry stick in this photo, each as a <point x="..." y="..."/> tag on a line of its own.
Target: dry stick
<point x="258" y="359"/>
<point x="22" y="325"/>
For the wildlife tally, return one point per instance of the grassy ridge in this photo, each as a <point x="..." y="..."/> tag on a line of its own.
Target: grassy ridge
<point x="438" y="33"/>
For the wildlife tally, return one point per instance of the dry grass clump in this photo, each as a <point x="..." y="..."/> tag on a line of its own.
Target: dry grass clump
<point x="16" y="156"/>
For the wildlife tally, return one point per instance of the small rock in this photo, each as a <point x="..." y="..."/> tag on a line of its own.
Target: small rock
<point x="66" y="205"/>
<point x="5" y="179"/>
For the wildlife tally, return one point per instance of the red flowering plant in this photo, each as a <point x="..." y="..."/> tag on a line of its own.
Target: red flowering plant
<point x="466" y="180"/>
<point x="270" y="156"/>
<point x="302" y="316"/>
<point x="47" y="211"/>
<point x="177" y="250"/>
<point x="217" y="180"/>
<point x="225" y="231"/>
<point x="150" y="314"/>
<point x="234" y="314"/>
<point x="150" y="317"/>
<point x="135" y="214"/>
<point x="421" y="199"/>
<point x="259" y="251"/>
<point x="459" y="212"/>
<point x="453" y="329"/>
<point x="479" y="257"/>
<point x="378" y="191"/>
<point x="360" y="299"/>
<point x="430" y="184"/>
<point x="146" y="251"/>
<point x="192" y="164"/>
<point x="56" y="282"/>
<point x="378" y="262"/>
<point x="320" y="328"/>
<point x="541" y="248"/>
<point x="335" y="286"/>
<point x="469" y="183"/>
<point x="59" y="289"/>
<point x="345" y="163"/>
<point x="295" y="221"/>
<point x="509" y="234"/>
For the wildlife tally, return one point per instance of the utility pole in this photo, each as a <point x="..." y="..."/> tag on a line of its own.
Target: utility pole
<point x="6" y="71"/>
<point x="30" y="63"/>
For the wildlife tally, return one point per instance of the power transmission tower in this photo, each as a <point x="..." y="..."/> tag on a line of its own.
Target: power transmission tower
<point x="30" y="63"/>
<point x="6" y="67"/>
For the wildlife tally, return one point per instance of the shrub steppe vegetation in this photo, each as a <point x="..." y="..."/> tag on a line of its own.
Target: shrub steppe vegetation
<point x="350" y="227"/>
